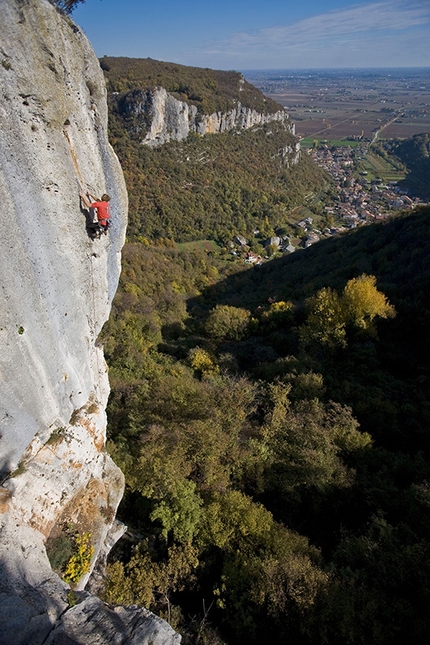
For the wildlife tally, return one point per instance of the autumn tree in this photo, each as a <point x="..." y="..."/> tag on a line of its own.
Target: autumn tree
<point x="329" y="314"/>
<point x="361" y="302"/>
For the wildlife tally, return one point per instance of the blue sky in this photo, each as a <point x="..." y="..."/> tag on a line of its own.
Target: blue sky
<point x="262" y="34"/>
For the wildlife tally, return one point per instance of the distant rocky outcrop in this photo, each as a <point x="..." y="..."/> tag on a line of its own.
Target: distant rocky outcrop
<point x="57" y="287"/>
<point x="159" y="117"/>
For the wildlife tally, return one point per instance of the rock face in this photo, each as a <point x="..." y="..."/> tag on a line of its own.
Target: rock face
<point x="57" y="287"/>
<point x="164" y="117"/>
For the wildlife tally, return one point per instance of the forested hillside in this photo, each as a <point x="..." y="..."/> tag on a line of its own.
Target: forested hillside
<point x="273" y="428"/>
<point x="206" y="187"/>
<point x="272" y="422"/>
<point x="214" y="186"/>
<point x="414" y="153"/>
<point x="210" y="90"/>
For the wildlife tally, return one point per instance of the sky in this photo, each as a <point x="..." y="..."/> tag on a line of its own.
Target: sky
<point x="262" y="34"/>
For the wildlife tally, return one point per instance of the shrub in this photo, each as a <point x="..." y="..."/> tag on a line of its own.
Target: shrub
<point x="201" y="361"/>
<point x="228" y="323"/>
<point x="59" y="551"/>
<point x="79" y="563"/>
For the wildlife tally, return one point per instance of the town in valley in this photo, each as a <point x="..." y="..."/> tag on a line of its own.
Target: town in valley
<point x="342" y="118"/>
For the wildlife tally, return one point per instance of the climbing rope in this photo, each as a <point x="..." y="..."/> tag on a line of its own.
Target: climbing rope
<point x="94" y="318"/>
<point x="81" y="184"/>
<point x="74" y="159"/>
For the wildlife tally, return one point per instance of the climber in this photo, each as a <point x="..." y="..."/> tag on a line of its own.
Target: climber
<point x="101" y="208"/>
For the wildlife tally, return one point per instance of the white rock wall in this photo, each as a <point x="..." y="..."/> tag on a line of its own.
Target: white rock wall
<point x="56" y="289"/>
<point x="173" y="119"/>
<point x="56" y="284"/>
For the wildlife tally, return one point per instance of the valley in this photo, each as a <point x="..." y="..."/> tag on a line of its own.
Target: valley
<point x="215" y="416"/>
<point x="350" y="104"/>
<point x="271" y="418"/>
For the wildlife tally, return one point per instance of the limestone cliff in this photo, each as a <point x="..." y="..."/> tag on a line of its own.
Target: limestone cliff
<point x="57" y="285"/>
<point x="161" y="117"/>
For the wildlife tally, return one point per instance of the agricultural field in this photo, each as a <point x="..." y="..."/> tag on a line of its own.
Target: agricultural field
<point x="308" y="142"/>
<point x="361" y="104"/>
<point x="209" y="246"/>
<point x="376" y="166"/>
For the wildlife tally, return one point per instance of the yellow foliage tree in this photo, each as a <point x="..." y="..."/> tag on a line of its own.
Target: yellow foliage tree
<point x="80" y="561"/>
<point x="201" y="361"/>
<point x="279" y="314"/>
<point x="362" y="302"/>
<point x="329" y="314"/>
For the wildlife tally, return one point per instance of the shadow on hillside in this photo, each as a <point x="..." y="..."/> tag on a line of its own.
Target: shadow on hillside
<point x="412" y="184"/>
<point x="396" y="252"/>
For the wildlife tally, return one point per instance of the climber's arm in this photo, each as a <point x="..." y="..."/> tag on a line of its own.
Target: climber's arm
<point x="85" y="199"/>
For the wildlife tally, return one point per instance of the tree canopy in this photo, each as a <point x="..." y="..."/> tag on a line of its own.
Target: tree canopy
<point x="284" y="482"/>
<point x="272" y="421"/>
<point x="66" y="6"/>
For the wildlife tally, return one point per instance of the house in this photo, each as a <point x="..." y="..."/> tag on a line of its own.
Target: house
<point x="239" y="239"/>
<point x="272" y="240"/>
<point x="310" y="239"/>
<point x="253" y="258"/>
<point x="305" y="222"/>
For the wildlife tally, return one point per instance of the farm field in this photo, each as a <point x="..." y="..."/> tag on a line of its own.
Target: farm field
<point x="335" y="104"/>
<point x="308" y="142"/>
<point x="208" y="246"/>
<point x="402" y="129"/>
<point x="376" y="166"/>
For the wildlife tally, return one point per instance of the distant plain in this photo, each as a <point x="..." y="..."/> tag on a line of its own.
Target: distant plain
<point x="336" y="104"/>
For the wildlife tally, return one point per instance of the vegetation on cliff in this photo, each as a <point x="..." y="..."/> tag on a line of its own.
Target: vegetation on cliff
<point x="208" y="89"/>
<point x="66" y="6"/>
<point x="216" y="186"/>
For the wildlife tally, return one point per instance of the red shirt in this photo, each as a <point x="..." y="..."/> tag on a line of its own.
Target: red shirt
<point x="103" y="213"/>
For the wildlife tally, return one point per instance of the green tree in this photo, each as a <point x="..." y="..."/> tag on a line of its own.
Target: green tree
<point x="233" y="522"/>
<point x="304" y="443"/>
<point x="267" y="569"/>
<point x="228" y="323"/>
<point x="66" y="6"/>
<point x="150" y="583"/>
<point x="179" y="512"/>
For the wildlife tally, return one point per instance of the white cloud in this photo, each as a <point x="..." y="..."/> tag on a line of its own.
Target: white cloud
<point x="320" y="40"/>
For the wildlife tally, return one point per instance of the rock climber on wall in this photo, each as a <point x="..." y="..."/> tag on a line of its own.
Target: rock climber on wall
<point x="101" y="208"/>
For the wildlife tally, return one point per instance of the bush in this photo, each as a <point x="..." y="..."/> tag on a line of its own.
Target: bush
<point x="80" y="562"/>
<point x="228" y="323"/>
<point x="59" y="551"/>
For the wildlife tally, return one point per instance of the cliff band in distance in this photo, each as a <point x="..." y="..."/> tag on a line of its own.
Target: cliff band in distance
<point x="173" y="119"/>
